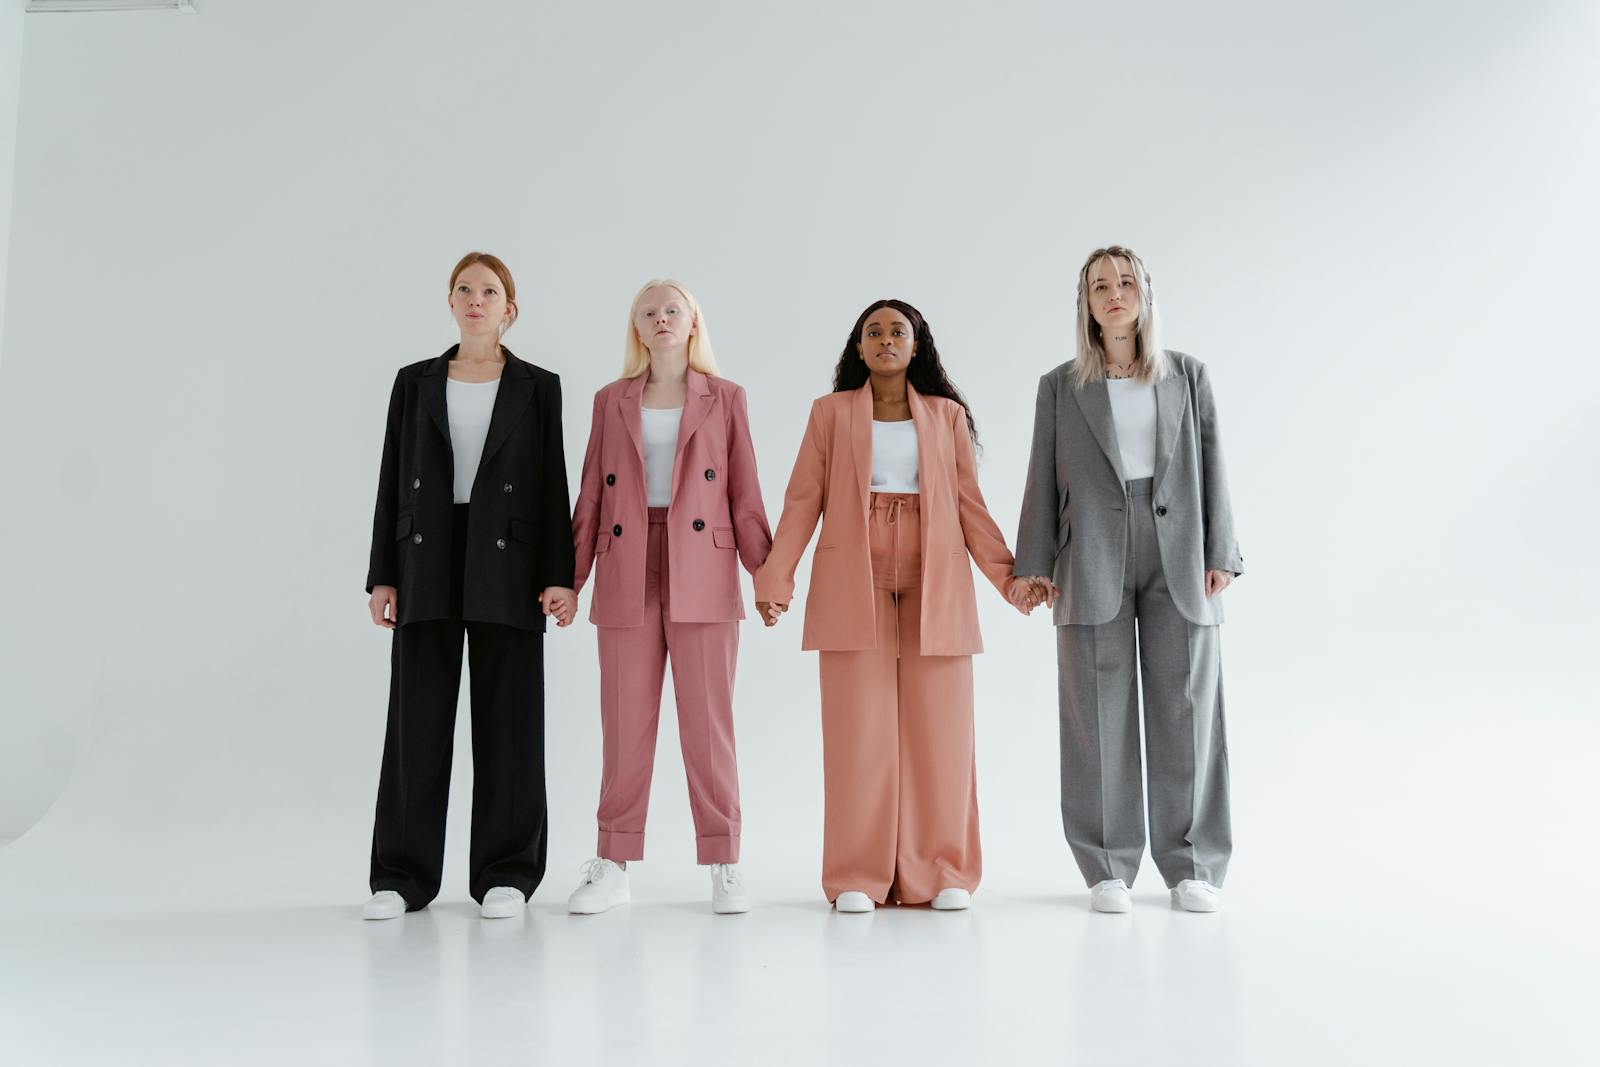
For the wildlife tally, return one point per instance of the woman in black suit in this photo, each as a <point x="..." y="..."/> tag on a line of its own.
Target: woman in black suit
<point x="470" y="540"/>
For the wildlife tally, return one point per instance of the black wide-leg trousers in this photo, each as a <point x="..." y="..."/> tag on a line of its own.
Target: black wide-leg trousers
<point x="510" y="824"/>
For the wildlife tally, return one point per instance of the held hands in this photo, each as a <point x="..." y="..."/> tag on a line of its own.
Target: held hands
<point x="769" y="612"/>
<point x="560" y="602"/>
<point x="383" y="606"/>
<point x="1025" y="594"/>
<point x="1217" y="581"/>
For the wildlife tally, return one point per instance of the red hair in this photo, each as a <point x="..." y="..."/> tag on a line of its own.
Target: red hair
<point x="501" y="271"/>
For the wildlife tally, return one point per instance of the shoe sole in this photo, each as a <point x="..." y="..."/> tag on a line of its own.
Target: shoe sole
<point x="1116" y="907"/>
<point x="1207" y="909"/>
<point x="601" y="910"/>
<point x="730" y="909"/>
<point x="501" y="912"/>
<point x="379" y="916"/>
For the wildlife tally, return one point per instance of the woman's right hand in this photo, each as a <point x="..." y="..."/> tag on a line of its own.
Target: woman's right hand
<point x="383" y="606"/>
<point x="769" y="611"/>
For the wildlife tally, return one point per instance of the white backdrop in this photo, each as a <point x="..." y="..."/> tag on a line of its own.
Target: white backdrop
<point x="1376" y="224"/>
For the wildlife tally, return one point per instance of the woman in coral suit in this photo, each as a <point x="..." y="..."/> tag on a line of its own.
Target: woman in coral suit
<point x="669" y="498"/>
<point x="887" y="463"/>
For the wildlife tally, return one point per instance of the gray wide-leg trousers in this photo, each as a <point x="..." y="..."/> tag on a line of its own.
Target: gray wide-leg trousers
<point x="1179" y="664"/>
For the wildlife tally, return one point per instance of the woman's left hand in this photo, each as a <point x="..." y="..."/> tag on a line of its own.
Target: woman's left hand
<point x="1024" y="594"/>
<point x="560" y="602"/>
<point x="1217" y="581"/>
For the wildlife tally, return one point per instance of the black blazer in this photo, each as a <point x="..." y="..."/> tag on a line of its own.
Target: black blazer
<point x="519" y="531"/>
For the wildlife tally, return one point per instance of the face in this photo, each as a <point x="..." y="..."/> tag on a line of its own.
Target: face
<point x="887" y="342"/>
<point x="663" y="318"/>
<point x="479" y="302"/>
<point x="1113" y="294"/>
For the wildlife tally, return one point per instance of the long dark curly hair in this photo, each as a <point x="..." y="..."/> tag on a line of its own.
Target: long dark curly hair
<point x="925" y="372"/>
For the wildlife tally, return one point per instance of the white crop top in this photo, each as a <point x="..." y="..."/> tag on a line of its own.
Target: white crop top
<point x="894" y="457"/>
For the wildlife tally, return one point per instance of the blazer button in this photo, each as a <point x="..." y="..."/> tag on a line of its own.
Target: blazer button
<point x="506" y="488"/>
<point x="500" y="543"/>
<point x="416" y="539"/>
<point x="1161" y="509"/>
<point x="699" y="524"/>
<point x="711" y="475"/>
<point x="611" y="479"/>
<point x="616" y="531"/>
<point x="416" y="483"/>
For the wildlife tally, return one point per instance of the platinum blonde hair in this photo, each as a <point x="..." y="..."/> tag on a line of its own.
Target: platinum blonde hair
<point x="1151" y="362"/>
<point x="636" y="354"/>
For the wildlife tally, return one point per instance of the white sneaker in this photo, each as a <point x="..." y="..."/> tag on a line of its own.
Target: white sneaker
<point x="1192" y="894"/>
<point x="502" y="902"/>
<point x="1110" y="896"/>
<point x="951" y="900"/>
<point x="604" y="886"/>
<point x="853" y="902"/>
<point x="384" y="905"/>
<point x="728" y="894"/>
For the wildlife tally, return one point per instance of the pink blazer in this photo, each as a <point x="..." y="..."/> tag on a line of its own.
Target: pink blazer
<point x="832" y="478"/>
<point x="716" y="507"/>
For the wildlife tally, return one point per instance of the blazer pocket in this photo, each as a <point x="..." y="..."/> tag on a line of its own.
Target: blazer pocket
<point x="402" y="527"/>
<point x="602" y="543"/>
<point x="526" y="532"/>
<point x="1062" y="539"/>
<point x="722" y="536"/>
<point x="824" y="548"/>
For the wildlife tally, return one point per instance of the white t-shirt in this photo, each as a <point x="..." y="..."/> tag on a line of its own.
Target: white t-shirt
<point x="470" y="406"/>
<point x="659" y="426"/>
<point x="894" y="457"/>
<point x="1133" y="411"/>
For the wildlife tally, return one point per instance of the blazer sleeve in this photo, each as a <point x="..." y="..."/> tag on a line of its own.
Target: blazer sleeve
<point x="555" y="537"/>
<point x="978" y="529"/>
<point x="802" y="507"/>
<point x="751" y="533"/>
<point x="586" y="514"/>
<point x="1038" y="529"/>
<point x="383" y="567"/>
<point x="1222" y="549"/>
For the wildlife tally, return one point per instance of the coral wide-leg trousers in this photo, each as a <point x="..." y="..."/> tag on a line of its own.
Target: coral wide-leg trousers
<point x="901" y="818"/>
<point x="633" y="662"/>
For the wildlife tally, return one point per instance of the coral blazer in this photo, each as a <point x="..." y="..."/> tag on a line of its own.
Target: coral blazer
<point x="832" y="479"/>
<point x="716" y="508"/>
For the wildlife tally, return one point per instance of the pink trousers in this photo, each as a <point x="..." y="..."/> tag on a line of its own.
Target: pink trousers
<point x="632" y="665"/>
<point x="901" y="818"/>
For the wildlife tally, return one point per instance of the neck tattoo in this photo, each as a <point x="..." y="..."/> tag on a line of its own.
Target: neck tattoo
<point x="1118" y="371"/>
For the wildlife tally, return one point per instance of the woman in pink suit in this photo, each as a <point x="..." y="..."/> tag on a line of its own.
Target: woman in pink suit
<point x="669" y="498"/>
<point x="887" y="464"/>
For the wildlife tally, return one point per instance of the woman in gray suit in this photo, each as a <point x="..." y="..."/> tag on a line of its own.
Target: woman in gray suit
<point x="1127" y="532"/>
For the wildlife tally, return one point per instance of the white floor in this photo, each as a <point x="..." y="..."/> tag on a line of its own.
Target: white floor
<point x="1331" y="975"/>
<point x="1407" y="889"/>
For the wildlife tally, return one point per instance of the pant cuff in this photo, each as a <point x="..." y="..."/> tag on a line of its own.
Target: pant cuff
<point x="620" y="847"/>
<point x="722" y="849"/>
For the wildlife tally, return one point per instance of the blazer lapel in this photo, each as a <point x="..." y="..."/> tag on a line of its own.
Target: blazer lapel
<point x="928" y="439"/>
<point x="629" y="401"/>
<point x="510" y="401"/>
<point x="1095" y="402"/>
<point x="930" y="457"/>
<point x="1172" y="396"/>
<point x="430" y="386"/>
<point x="861" y="442"/>
<point x="696" y="406"/>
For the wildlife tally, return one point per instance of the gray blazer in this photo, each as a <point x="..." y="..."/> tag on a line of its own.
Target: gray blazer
<point x="1074" y="520"/>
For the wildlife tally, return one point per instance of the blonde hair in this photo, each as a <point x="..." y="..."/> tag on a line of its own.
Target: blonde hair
<point x="1150" y="360"/>
<point x="636" y="355"/>
<point x="501" y="271"/>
